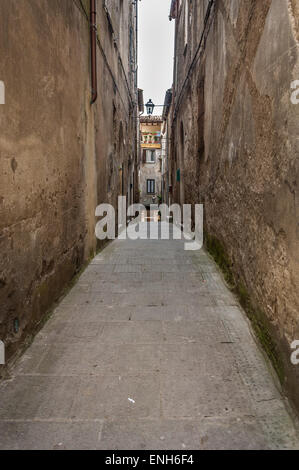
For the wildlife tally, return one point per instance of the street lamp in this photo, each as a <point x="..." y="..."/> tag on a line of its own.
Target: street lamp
<point x="150" y="107"/>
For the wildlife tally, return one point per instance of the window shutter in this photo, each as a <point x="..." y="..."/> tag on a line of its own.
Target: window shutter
<point x="144" y="155"/>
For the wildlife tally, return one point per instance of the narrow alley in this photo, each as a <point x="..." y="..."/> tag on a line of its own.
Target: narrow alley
<point x="119" y="119"/>
<point x="149" y="350"/>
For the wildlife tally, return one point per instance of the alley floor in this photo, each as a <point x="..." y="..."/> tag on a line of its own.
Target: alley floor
<point x="149" y="350"/>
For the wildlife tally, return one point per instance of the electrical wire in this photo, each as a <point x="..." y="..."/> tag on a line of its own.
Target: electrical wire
<point x="195" y="58"/>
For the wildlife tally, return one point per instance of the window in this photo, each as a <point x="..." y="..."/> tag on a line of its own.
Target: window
<point x="150" y="186"/>
<point x="150" y="156"/>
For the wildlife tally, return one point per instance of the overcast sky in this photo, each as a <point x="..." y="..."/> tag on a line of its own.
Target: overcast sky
<point x="156" y="50"/>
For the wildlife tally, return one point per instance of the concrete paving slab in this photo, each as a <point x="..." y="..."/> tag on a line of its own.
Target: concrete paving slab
<point x="132" y="332"/>
<point x="50" y="435"/>
<point x="117" y="396"/>
<point x="182" y="435"/>
<point x="149" y="350"/>
<point x="203" y="332"/>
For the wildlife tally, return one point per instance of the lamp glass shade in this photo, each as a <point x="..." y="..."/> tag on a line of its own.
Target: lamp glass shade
<point x="150" y="107"/>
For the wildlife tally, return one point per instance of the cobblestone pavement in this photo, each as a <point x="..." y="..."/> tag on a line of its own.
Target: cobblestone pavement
<point x="149" y="350"/>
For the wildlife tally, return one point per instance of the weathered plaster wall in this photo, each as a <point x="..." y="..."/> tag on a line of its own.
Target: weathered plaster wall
<point x="236" y="136"/>
<point x="59" y="157"/>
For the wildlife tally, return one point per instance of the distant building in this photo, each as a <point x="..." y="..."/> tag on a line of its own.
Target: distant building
<point x="150" y="174"/>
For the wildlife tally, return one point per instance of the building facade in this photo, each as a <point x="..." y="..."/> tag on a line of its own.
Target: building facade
<point x="60" y="155"/>
<point x="150" y="177"/>
<point x="235" y="149"/>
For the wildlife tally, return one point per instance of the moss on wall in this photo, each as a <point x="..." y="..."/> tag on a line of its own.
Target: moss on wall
<point x="257" y="317"/>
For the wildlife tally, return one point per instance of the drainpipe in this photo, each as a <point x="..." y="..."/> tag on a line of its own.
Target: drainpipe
<point x="93" y="50"/>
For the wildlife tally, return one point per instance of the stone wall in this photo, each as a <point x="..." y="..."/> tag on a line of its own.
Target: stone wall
<point x="59" y="157"/>
<point x="235" y="141"/>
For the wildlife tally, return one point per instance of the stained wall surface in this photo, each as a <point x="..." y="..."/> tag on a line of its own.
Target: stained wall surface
<point x="59" y="156"/>
<point x="235" y="141"/>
